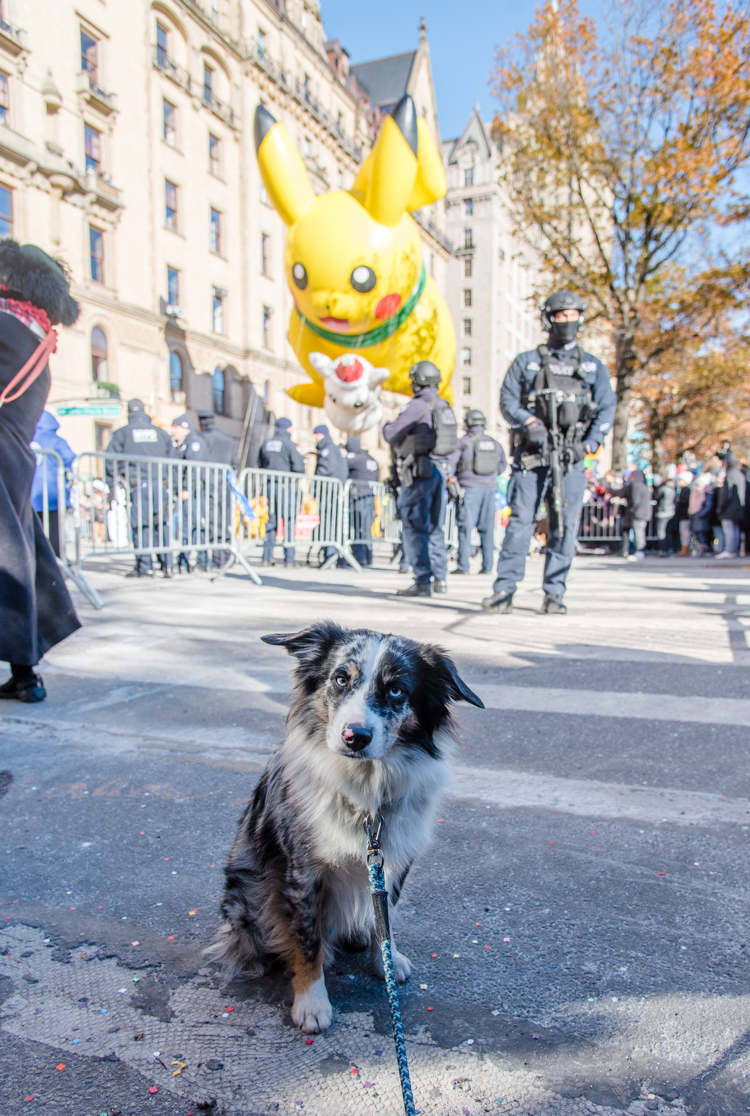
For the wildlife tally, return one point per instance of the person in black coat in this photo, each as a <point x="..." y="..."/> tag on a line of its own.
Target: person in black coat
<point x="191" y="522"/>
<point x="637" y="513"/>
<point x="363" y="468"/>
<point x="279" y="454"/>
<point x="223" y="452"/>
<point x="36" y="611"/>
<point x="147" y="486"/>
<point x="731" y="505"/>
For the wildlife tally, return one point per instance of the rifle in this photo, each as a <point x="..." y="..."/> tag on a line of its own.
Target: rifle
<point x="556" y="456"/>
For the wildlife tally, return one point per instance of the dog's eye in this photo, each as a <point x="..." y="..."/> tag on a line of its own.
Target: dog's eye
<point x="363" y="279"/>
<point x="395" y="692"/>
<point x="300" y="276"/>
<point x="341" y="680"/>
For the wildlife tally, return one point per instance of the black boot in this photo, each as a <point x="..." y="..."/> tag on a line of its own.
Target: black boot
<point x="498" y="602"/>
<point x="418" y="589"/>
<point x="553" y="605"/>
<point x="439" y="586"/>
<point x="23" y="685"/>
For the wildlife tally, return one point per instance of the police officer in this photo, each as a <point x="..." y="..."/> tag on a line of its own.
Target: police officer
<point x="190" y="447"/>
<point x="279" y="454"/>
<point x="362" y="469"/>
<point x="331" y="462"/>
<point x="422" y="437"/>
<point x="148" y="496"/>
<point x="223" y="452"/>
<point x="562" y="376"/>
<point x="476" y="463"/>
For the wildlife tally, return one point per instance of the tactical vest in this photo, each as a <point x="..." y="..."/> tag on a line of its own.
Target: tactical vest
<point x="483" y="461"/>
<point x="574" y="405"/>
<point x="441" y="440"/>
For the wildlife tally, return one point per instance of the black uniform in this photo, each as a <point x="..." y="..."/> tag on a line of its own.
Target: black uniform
<point x="147" y="486"/>
<point x="362" y="469"/>
<point x="279" y="454"/>
<point x="477" y="506"/>
<point x="193" y="527"/>
<point x="223" y="452"/>
<point x="332" y="462"/>
<point x="530" y="480"/>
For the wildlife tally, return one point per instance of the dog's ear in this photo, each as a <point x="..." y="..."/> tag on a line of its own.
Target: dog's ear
<point x="445" y="670"/>
<point x="311" y="646"/>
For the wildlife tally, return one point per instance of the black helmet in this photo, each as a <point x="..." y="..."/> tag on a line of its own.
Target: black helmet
<point x="425" y="374"/>
<point x="561" y="300"/>
<point x="474" y="418"/>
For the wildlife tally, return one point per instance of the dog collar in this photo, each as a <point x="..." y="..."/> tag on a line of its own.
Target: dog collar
<point x="373" y="336"/>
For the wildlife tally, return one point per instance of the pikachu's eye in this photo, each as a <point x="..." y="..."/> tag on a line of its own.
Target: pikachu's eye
<point x="363" y="279"/>
<point x="300" y="276"/>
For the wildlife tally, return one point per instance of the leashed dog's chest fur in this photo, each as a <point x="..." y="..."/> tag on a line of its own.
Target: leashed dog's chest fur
<point x="368" y="733"/>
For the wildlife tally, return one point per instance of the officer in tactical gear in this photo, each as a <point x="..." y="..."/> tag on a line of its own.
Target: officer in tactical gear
<point x="190" y="447"/>
<point x="331" y="462"/>
<point x="148" y="494"/>
<point x="279" y="454"/>
<point x="560" y="405"/>
<point x="476" y="464"/>
<point x="363" y="468"/>
<point x="223" y="452"/>
<point x="421" y="439"/>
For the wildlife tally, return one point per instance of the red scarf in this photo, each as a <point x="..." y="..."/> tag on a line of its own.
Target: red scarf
<point x="27" y="313"/>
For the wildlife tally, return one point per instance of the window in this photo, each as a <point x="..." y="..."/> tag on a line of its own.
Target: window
<point x="93" y="145"/>
<point x="467" y="267"/>
<point x="217" y="310"/>
<point x="266" y="390"/>
<point x="162" y="46"/>
<point x="96" y="254"/>
<point x="265" y="254"/>
<point x="98" y="354"/>
<point x="467" y="296"/>
<point x="215" y="11"/>
<point x="215" y="232"/>
<point x="218" y="384"/>
<point x="267" y="336"/>
<point x="214" y="155"/>
<point x="468" y="176"/>
<point x="208" y="83"/>
<point x="261" y="43"/>
<point x="170" y="205"/>
<point x="6" y="212"/>
<point x="90" y="57"/>
<point x="102" y="434"/>
<point x="169" y="113"/>
<point x="306" y="147"/>
<point x="4" y="99"/>
<point x="467" y="382"/>
<point x="175" y="373"/>
<point x="467" y="327"/>
<point x="469" y="207"/>
<point x="173" y="287"/>
<point x="468" y="238"/>
<point x="466" y="357"/>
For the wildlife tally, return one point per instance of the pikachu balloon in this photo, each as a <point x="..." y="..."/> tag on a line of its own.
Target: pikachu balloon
<point x="354" y="262"/>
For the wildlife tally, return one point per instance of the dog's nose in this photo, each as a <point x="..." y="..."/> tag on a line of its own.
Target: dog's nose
<point x="356" y="737"/>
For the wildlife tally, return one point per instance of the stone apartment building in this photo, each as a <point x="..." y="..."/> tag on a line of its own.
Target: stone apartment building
<point x="490" y="281"/>
<point x="126" y="149"/>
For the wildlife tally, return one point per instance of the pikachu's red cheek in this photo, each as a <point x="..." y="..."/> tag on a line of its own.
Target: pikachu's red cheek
<point x="387" y="306"/>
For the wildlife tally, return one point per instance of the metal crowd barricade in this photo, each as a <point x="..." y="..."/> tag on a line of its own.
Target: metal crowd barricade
<point x="301" y="510"/>
<point x="68" y="542"/>
<point x="156" y="506"/>
<point x="601" y="522"/>
<point x="385" y="526"/>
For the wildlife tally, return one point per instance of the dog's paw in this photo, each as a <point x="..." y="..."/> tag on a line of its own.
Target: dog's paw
<point x="312" y="1012"/>
<point x="401" y="964"/>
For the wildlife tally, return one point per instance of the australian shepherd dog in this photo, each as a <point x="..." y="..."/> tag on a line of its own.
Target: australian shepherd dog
<point x="369" y="732"/>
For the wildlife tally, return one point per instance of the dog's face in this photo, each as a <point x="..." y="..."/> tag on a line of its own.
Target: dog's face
<point x="375" y="692"/>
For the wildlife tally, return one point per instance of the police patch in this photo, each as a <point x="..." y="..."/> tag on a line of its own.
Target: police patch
<point x="195" y="446"/>
<point x="371" y="465"/>
<point x="147" y="435"/>
<point x="274" y="446"/>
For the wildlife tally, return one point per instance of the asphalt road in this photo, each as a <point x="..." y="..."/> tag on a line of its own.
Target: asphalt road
<point x="578" y="928"/>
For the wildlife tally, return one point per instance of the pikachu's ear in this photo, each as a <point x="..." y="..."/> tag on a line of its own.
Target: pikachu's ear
<point x="386" y="179"/>
<point x="281" y="168"/>
<point x="431" y="183"/>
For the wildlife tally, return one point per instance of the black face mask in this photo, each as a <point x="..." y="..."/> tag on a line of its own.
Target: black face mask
<point x="562" y="333"/>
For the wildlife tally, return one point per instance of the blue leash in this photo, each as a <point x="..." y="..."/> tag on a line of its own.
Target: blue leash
<point x="383" y="931"/>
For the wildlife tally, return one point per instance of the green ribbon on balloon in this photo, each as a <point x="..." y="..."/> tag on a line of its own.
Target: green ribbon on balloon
<point x="373" y="336"/>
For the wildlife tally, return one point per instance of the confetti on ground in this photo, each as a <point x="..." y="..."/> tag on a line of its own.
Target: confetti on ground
<point x="153" y="1089"/>
<point x="61" y="1066"/>
<point x="135" y="943"/>
<point x="193" y="912"/>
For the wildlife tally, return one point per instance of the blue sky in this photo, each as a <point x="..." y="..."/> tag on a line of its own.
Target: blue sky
<point x="462" y="40"/>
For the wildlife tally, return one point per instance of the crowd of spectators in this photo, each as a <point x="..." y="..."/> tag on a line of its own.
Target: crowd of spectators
<point x="687" y="510"/>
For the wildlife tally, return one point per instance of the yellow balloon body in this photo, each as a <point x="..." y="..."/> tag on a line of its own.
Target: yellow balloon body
<point x="354" y="278"/>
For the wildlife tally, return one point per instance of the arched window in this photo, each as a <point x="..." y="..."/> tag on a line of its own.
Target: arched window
<point x="217" y="381"/>
<point x="98" y="354"/>
<point x="175" y="372"/>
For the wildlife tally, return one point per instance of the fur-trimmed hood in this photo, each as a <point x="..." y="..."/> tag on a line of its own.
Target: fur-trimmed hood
<point x="30" y="275"/>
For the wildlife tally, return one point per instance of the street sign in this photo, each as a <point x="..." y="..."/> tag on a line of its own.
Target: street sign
<point x="93" y="410"/>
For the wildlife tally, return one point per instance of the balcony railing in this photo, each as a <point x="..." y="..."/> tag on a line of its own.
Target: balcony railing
<point x="260" y="56"/>
<point x="163" y="62"/>
<point x="211" y="101"/>
<point x="11" y="37"/>
<point x="94" y="94"/>
<point x="436" y="233"/>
